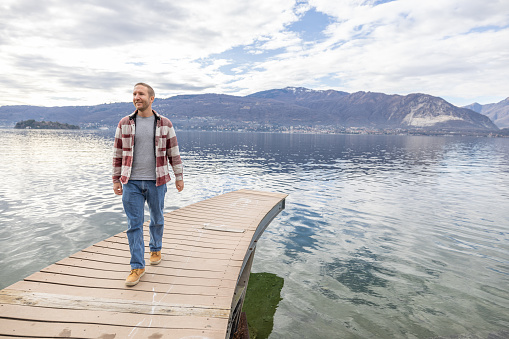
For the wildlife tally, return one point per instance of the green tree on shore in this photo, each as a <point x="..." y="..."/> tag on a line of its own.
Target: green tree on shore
<point x="32" y="124"/>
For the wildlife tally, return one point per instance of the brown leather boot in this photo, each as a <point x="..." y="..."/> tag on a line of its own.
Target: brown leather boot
<point x="155" y="258"/>
<point x="134" y="276"/>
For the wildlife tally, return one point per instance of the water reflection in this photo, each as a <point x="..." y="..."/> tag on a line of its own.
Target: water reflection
<point x="358" y="272"/>
<point x="56" y="197"/>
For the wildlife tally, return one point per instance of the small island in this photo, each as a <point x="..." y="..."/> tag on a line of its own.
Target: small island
<point x="32" y="124"/>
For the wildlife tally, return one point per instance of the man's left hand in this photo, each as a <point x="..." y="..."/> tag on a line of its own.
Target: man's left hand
<point x="179" y="185"/>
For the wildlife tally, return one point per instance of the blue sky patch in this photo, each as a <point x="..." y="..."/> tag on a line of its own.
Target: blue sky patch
<point x="381" y="2"/>
<point x="243" y="57"/>
<point x="311" y="26"/>
<point x="483" y="29"/>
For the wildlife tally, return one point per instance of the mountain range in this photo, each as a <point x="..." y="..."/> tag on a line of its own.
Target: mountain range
<point x="498" y="112"/>
<point x="291" y="106"/>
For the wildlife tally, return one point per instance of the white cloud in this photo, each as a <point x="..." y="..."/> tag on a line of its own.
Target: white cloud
<point x="93" y="51"/>
<point x="445" y="48"/>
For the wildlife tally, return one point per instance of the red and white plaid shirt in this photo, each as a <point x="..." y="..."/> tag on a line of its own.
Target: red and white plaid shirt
<point x="166" y="150"/>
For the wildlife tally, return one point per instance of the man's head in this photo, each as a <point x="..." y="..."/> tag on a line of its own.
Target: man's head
<point x="143" y="97"/>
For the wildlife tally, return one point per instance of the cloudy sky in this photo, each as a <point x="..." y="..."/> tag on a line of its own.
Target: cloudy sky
<point x="61" y="52"/>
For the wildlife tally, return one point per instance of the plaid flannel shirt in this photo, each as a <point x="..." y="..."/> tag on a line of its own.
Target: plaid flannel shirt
<point x="165" y="144"/>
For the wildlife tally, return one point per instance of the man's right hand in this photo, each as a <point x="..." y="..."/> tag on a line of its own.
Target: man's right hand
<point x="117" y="188"/>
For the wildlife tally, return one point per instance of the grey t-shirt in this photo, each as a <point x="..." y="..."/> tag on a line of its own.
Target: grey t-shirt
<point x="144" y="158"/>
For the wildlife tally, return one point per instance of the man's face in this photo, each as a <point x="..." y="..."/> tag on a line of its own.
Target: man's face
<point x="141" y="98"/>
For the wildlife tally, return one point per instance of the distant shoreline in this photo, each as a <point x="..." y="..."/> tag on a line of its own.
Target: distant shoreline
<point x="502" y="133"/>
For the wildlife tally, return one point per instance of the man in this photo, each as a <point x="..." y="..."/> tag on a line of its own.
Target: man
<point x="140" y="175"/>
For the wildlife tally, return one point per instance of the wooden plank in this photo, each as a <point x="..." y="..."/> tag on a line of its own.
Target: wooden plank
<point x="175" y="245"/>
<point x="170" y="248"/>
<point x="59" y="301"/>
<point x="235" y="204"/>
<point x="156" y="285"/>
<point x="180" y="232"/>
<point x="152" y="275"/>
<point x="197" y="234"/>
<point x="125" y="268"/>
<point x="172" y="253"/>
<point x="97" y="313"/>
<point x="236" y="199"/>
<point x="224" y="228"/>
<point x="202" y="238"/>
<point x="199" y="218"/>
<point x="206" y="236"/>
<point x="130" y="294"/>
<point x="226" y="213"/>
<point x="142" y="329"/>
<point x="180" y="262"/>
<point x="260" y="193"/>
<point x="233" y="211"/>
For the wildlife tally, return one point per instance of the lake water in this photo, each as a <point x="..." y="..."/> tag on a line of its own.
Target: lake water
<point x="382" y="236"/>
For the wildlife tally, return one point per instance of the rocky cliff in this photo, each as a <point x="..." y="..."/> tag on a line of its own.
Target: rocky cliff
<point x="498" y="112"/>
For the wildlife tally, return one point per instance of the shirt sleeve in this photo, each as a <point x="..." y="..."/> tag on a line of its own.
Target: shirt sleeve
<point x="172" y="150"/>
<point x="117" y="155"/>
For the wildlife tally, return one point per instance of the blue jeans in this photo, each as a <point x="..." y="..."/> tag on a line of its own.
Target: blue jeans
<point x="135" y="194"/>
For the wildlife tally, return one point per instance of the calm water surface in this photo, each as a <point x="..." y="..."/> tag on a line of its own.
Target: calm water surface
<point x="382" y="236"/>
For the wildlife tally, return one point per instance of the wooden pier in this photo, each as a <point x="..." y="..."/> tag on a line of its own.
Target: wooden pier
<point x="197" y="290"/>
